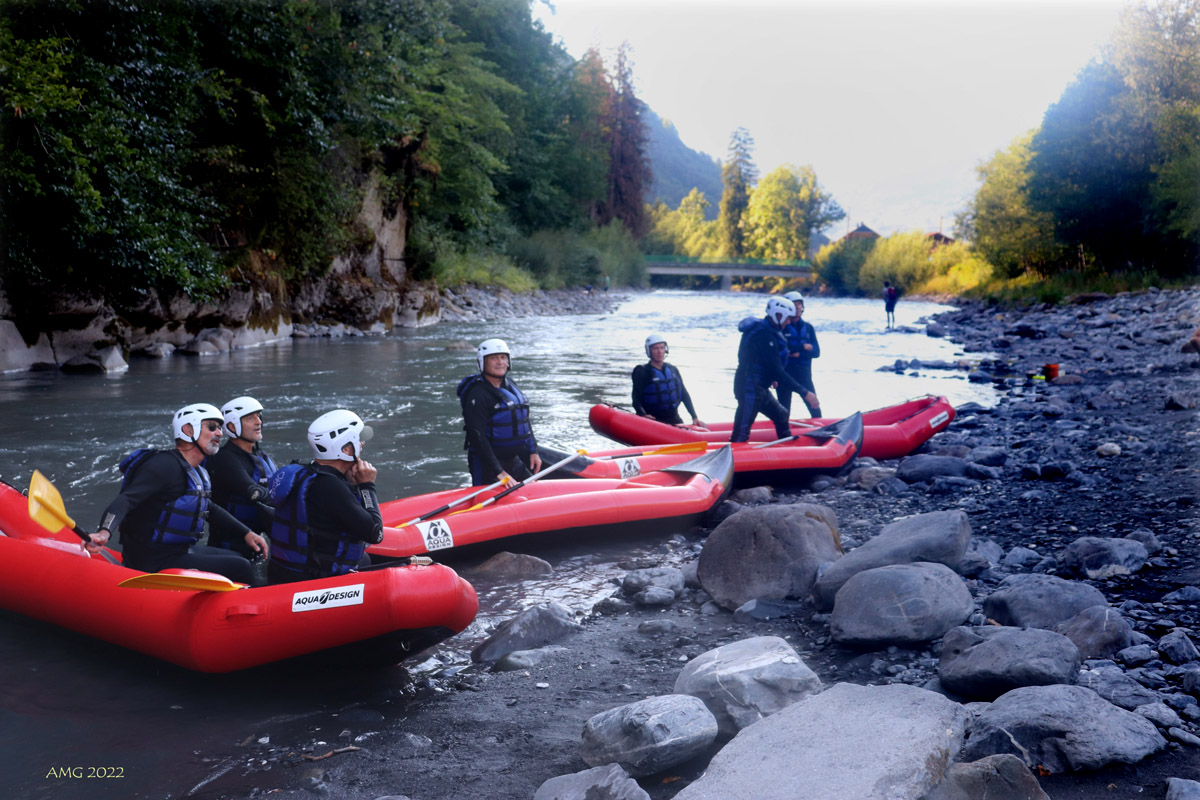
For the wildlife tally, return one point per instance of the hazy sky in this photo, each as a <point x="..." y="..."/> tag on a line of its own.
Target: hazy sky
<point x="893" y="102"/>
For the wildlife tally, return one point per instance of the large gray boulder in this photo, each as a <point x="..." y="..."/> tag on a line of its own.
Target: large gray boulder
<point x="1098" y="558"/>
<point x="532" y="628"/>
<point x="1039" y="601"/>
<point x="921" y="467"/>
<point x="1098" y="631"/>
<point x="899" y="604"/>
<point x="609" y="782"/>
<point x="768" y="551"/>
<point x="650" y="735"/>
<point x="1114" y="685"/>
<point x="848" y="743"/>
<point x="743" y="682"/>
<point x="939" y="536"/>
<point x="983" y="663"/>
<point x="643" y="585"/>
<point x="1002" y="777"/>
<point x="1061" y="729"/>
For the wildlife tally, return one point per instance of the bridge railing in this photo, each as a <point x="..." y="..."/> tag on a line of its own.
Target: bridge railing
<point x="754" y="262"/>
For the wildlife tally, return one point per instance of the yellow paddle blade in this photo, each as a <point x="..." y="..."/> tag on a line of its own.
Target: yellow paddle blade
<point x="46" y="505"/>
<point x="684" y="447"/>
<point x="188" y="580"/>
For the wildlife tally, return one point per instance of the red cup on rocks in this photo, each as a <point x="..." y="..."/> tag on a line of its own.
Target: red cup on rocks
<point x="1050" y="371"/>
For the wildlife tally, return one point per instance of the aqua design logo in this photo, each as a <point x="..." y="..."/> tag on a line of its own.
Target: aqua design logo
<point x="630" y="468"/>
<point x="939" y="419"/>
<point x="329" y="598"/>
<point x="437" y="534"/>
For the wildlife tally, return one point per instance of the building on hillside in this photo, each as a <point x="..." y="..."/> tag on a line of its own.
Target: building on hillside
<point x="861" y="232"/>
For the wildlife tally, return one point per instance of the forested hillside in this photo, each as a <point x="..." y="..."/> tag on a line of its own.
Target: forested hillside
<point x="677" y="168"/>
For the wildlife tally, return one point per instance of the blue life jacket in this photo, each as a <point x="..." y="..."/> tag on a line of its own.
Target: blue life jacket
<point x="798" y="335"/>
<point x="663" y="391"/>
<point x="239" y="505"/>
<point x="294" y="545"/>
<point x="181" y="522"/>
<point x="509" y="429"/>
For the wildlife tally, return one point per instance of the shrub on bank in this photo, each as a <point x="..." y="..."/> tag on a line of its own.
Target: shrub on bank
<point x="569" y="258"/>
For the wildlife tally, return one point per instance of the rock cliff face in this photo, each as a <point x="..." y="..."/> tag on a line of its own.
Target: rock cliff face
<point x="367" y="290"/>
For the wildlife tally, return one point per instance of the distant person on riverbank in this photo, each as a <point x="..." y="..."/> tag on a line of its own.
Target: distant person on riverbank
<point x="760" y="366"/>
<point x="802" y="348"/>
<point x="658" y="387"/>
<point x="500" y="443"/>
<point x="326" y="512"/>
<point x="890" y="295"/>
<point x="164" y="503"/>
<point x="606" y="283"/>
<point x="240" y="471"/>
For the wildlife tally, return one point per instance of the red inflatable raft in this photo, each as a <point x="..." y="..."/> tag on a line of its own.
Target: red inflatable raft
<point x="380" y="614"/>
<point x="671" y="499"/>
<point x="823" y="451"/>
<point x="890" y="432"/>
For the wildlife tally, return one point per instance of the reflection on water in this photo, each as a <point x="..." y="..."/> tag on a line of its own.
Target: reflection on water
<point x="76" y="701"/>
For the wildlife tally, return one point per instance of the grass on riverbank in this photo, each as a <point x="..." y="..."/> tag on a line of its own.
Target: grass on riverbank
<point x="1060" y="288"/>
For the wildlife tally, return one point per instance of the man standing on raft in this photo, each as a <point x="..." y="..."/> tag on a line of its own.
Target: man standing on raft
<point x="658" y="387"/>
<point x="760" y="366"/>
<point x="500" y="443"/>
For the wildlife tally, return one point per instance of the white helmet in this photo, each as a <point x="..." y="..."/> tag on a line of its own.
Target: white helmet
<point x="490" y="347"/>
<point x="653" y="339"/>
<point x="330" y="432"/>
<point x="237" y="408"/>
<point x="795" y="297"/>
<point x="780" y="309"/>
<point x="193" y="415"/>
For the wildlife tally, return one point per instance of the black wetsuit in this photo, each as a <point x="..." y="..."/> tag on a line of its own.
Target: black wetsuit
<point x="760" y="363"/>
<point x="494" y="447"/>
<point x="669" y="393"/>
<point x="235" y="489"/>
<point x="154" y="484"/>
<point x="799" y="364"/>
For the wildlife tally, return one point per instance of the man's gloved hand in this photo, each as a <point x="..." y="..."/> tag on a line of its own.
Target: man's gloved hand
<point x="257" y="494"/>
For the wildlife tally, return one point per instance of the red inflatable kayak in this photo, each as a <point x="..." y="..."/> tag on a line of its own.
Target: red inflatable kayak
<point x="890" y="432"/>
<point x="671" y="499"/>
<point x="385" y="613"/>
<point x="823" y="451"/>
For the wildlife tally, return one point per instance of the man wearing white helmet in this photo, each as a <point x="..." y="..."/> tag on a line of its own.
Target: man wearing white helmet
<point x="802" y="348"/>
<point x="326" y="512"/>
<point x="240" y="470"/>
<point x="164" y="504"/>
<point x="760" y="366"/>
<point x="500" y="443"/>
<point x="658" y="387"/>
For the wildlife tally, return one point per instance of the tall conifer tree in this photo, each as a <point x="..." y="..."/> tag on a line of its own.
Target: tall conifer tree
<point x="738" y="176"/>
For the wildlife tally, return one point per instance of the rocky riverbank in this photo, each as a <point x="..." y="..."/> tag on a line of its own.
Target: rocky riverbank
<point x="1016" y="608"/>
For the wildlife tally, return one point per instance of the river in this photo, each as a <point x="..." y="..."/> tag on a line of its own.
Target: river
<point x="67" y="700"/>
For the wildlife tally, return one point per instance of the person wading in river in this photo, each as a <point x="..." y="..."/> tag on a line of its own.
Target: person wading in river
<point x="658" y="387"/>
<point x="164" y="504"/>
<point x="326" y="512"/>
<point x="500" y="443"/>
<point x="890" y="295"/>
<point x="240" y="471"/>
<point x="760" y="366"/>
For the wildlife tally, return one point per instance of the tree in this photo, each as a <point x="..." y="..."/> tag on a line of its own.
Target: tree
<point x="837" y="264"/>
<point x="786" y="208"/>
<point x="738" y="176"/>
<point x="628" y="168"/>
<point x="683" y="231"/>
<point x="1005" y="230"/>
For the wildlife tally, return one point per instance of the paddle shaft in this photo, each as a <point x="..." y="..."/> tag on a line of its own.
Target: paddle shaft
<point x="449" y="506"/>
<point x="530" y="479"/>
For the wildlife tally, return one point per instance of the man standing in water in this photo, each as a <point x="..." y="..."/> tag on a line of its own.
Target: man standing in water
<point x="760" y="366"/>
<point x="240" y="470"/>
<point x="890" y="296"/>
<point x="326" y="512"/>
<point x="164" y="504"/>
<point x="500" y="443"/>
<point x="802" y="348"/>
<point x="658" y="387"/>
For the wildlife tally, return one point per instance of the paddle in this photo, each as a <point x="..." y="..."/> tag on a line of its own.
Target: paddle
<point x="685" y="447"/>
<point x="182" y="580"/>
<point x="449" y="506"/>
<point x="46" y="509"/>
<point x="519" y="484"/>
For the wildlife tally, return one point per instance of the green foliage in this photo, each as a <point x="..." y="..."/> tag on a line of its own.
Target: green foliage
<point x="837" y="265"/>
<point x="566" y="258"/>
<point x="956" y="270"/>
<point x="738" y="175"/>
<point x="785" y="209"/>
<point x="684" y="231"/>
<point x="453" y="268"/>
<point x="905" y="259"/>
<point x="628" y="170"/>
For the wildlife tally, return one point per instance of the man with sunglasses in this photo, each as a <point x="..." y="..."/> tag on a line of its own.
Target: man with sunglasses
<point x="164" y="504"/>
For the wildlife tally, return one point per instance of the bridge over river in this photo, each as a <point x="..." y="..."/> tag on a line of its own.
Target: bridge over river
<point x="726" y="268"/>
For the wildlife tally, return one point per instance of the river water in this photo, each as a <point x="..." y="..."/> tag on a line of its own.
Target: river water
<point x="66" y="700"/>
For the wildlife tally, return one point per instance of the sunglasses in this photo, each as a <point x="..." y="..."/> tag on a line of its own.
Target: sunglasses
<point x="212" y="426"/>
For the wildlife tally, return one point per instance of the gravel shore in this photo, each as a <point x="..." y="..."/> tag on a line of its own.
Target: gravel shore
<point x="1107" y="449"/>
